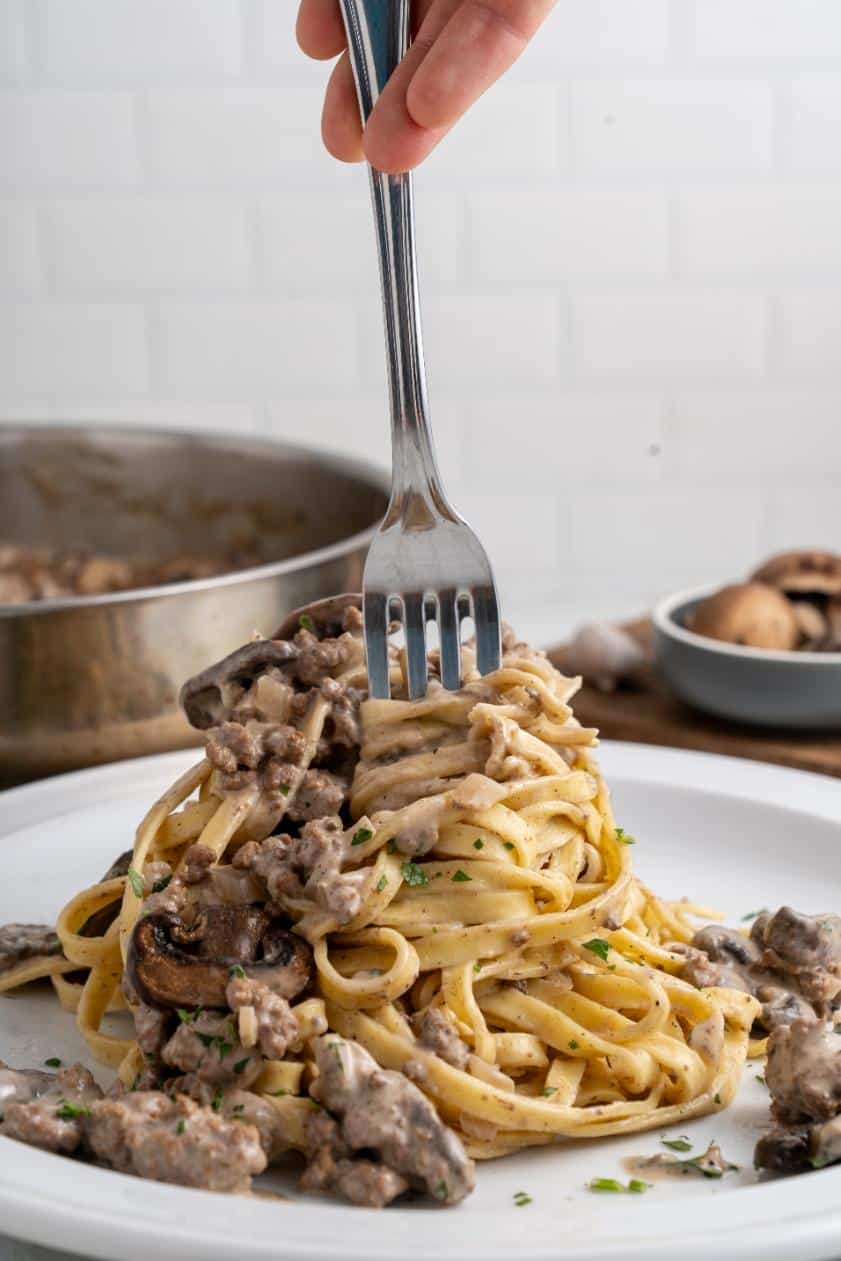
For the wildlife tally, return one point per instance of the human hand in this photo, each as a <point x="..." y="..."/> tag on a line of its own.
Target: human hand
<point x="460" y="48"/>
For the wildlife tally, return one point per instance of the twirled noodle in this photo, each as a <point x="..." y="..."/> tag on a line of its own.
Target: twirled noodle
<point x="522" y="922"/>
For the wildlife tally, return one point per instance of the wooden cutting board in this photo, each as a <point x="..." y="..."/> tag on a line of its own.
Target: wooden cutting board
<point x="651" y="714"/>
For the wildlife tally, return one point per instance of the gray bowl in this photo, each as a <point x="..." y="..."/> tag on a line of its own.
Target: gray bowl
<point x="789" y="690"/>
<point x="95" y="679"/>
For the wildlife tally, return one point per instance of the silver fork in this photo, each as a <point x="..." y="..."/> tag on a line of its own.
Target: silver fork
<point x="425" y="564"/>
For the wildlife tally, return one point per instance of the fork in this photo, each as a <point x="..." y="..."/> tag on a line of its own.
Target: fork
<point x="425" y="563"/>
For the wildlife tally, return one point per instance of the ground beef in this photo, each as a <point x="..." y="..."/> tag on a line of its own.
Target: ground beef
<point x="152" y="1028"/>
<point x="437" y="1034"/>
<point x="26" y="941"/>
<point x="803" y="1072"/>
<point x="342" y="727"/>
<point x="239" y="1105"/>
<point x="319" y="795"/>
<point x="208" y="1045"/>
<point x="383" y="1112"/>
<point x="54" y="1117"/>
<point x="275" y="1025"/>
<point x="331" y="1167"/>
<point x="806" y="947"/>
<point x="311" y="865"/>
<point x="174" y="1140"/>
<point x="20" y="1085"/>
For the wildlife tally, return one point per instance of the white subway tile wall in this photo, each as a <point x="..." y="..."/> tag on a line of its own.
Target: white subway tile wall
<point x="630" y="256"/>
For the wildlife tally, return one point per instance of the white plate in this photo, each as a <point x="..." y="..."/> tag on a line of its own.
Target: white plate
<point x="736" y="834"/>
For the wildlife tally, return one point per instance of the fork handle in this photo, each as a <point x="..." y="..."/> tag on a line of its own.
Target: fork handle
<point x="378" y="37"/>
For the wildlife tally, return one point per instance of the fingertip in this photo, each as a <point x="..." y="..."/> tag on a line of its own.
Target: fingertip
<point x="341" y="125"/>
<point x="397" y="150"/>
<point x="319" y="29"/>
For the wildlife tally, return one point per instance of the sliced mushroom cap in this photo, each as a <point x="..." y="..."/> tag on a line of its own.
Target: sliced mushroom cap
<point x="749" y="613"/>
<point x="202" y="698"/>
<point x="802" y="573"/>
<point x="172" y="964"/>
<point x="327" y="616"/>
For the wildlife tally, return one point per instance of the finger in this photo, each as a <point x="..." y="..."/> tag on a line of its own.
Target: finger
<point x="341" y="125"/>
<point x="393" y="141"/>
<point x="319" y="30"/>
<point x="480" y="41"/>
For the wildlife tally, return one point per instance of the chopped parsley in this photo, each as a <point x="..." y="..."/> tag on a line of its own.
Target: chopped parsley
<point x="238" y="1110"/>
<point x="306" y="623"/>
<point x="391" y="847"/>
<point x="612" y="1185"/>
<point x="67" y="1111"/>
<point x="477" y="967"/>
<point x="624" y="837"/>
<point x="761" y="1079"/>
<point x="681" y="1144"/>
<point x="136" y="881"/>
<point x="706" y="1164"/>
<point x="461" y="877"/>
<point x="508" y="844"/>
<point x="549" y="1090"/>
<point x="442" y="1191"/>
<point x="573" y="1045"/>
<point x="521" y="1199"/>
<point x="478" y="843"/>
<point x="755" y="914"/>
<point x="717" y="1098"/>
<point x="181" y="1126"/>
<point x="187" y="1017"/>
<point x="361" y="835"/>
<point x="53" y="1062"/>
<point x="414" y="875"/>
<point x="598" y="946"/>
<point x="160" y="885"/>
<point x="381" y="883"/>
<point x="237" y="971"/>
<point x="217" y="1100"/>
<point x="275" y="1094"/>
<point x="241" y="1065"/>
<point x="285" y="790"/>
<point x="336" y="1048"/>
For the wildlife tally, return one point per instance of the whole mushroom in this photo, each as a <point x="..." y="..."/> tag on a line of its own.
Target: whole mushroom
<point x="750" y="613"/>
<point x="807" y="572"/>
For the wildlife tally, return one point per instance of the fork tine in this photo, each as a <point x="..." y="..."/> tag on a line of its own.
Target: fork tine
<point x="486" y="619"/>
<point x="375" y="615"/>
<point x="414" y="628"/>
<point x="448" y="630"/>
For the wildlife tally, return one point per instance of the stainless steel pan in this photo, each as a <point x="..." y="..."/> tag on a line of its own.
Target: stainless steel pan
<point x="89" y="680"/>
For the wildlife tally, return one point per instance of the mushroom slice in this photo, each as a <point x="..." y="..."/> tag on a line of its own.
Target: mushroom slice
<point x="807" y="572"/>
<point x="202" y="697"/>
<point x="172" y="964"/>
<point x="749" y="613"/>
<point x="326" y="616"/>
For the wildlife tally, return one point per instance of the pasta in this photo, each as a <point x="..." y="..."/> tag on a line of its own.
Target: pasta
<point x="488" y="883"/>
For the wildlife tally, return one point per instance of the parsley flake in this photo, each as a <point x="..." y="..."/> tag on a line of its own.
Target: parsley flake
<point x="573" y="1045"/>
<point x="624" y="837"/>
<point x="521" y="1199"/>
<point x="306" y="623"/>
<point x="217" y="1100"/>
<point x="677" y="1144"/>
<point x="237" y="971"/>
<point x="414" y="875"/>
<point x="442" y="1191"/>
<point x="181" y="1126"/>
<point x="381" y="883"/>
<point x="136" y="881"/>
<point x="361" y="835"/>
<point x="160" y="885"/>
<point x="67" y="1111"/>
<point x="461" y="877"/>
<point x="612" y="1185"/>
<point x="717" y="1098"/>
<point x="478" y="843"/>
<point x="549" y="1090"/>
<point x="598" y="946"/>
<point x="754" y="914"/>
<point x="508" y="844"/>
<point x="241" y="1065"/>
<point x="285" y="790"/>
<point x="53" y="1062"/>
<point x="477" y="967"/>
<point x="275" y="1094"/>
